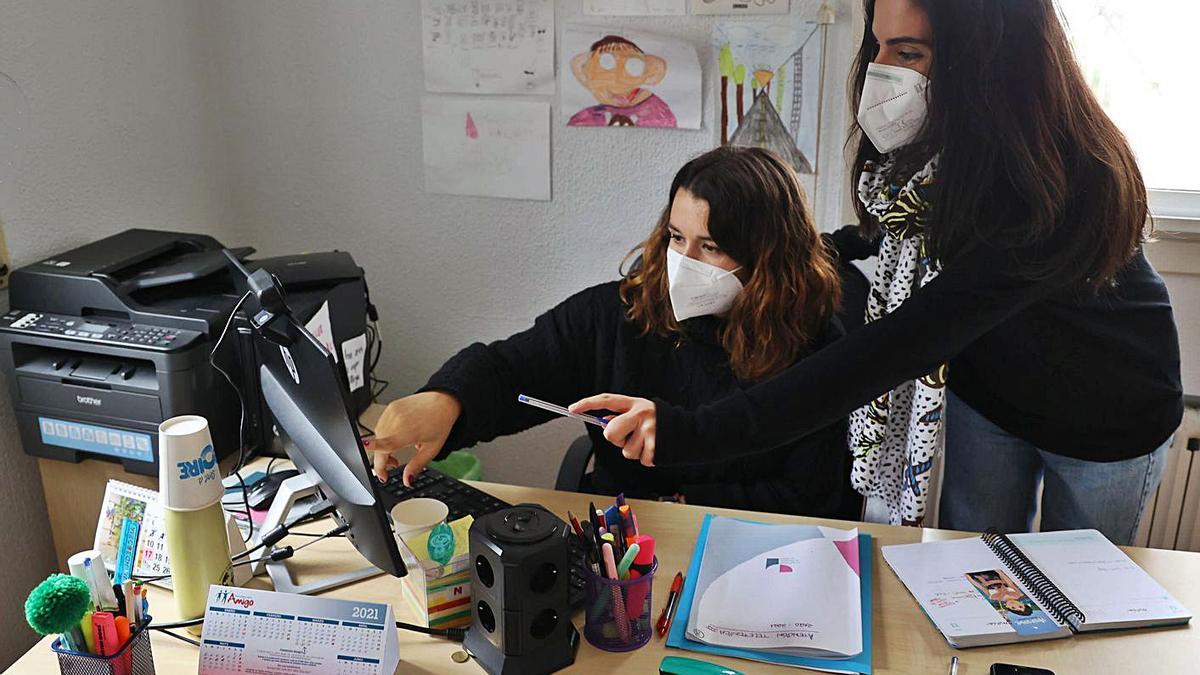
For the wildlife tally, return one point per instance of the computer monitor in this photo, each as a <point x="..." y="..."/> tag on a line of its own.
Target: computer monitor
<point x="309" y="398"/>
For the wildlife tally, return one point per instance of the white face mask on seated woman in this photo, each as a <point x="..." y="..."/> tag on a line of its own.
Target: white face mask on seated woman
<point x="698" y="288"/>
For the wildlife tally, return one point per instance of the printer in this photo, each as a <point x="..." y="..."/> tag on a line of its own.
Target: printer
<point x="104" y="342"/>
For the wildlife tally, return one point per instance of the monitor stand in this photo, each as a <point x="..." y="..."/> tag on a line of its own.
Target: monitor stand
<point x="290" y="492"/>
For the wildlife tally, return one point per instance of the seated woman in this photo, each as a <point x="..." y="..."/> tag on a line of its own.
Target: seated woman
<point x="733" y="285"/>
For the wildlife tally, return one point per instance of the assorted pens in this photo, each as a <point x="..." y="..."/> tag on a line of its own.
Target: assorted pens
<point x="615" y="527"/>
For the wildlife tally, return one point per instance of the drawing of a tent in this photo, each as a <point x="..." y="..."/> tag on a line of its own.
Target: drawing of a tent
<point x="762" y="128"/>
<point x="775" y="68"/>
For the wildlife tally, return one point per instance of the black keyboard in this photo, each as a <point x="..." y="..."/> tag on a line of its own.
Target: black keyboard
<point x="464" y="500"/>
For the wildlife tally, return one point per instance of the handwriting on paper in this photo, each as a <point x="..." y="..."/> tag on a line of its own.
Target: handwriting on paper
<point x="488" y="46"/>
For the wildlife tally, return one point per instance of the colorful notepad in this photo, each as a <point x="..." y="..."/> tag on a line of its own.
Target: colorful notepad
<point x="730" y="554"/>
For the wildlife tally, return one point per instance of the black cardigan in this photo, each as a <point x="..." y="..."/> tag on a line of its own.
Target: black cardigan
<point x="586" y="346"/>
<point x="1094" y="376"/>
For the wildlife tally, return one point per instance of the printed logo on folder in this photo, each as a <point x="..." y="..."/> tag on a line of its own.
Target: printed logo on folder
<point x="1017" y="608"/>
<point x="780" y="567"/>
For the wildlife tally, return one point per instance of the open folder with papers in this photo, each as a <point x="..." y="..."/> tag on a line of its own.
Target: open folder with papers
<point x="797" y="595"/>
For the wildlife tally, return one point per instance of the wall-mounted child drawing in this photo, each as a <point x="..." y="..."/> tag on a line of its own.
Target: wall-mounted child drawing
<point x="770" y="83"/>
<point x="486" y="146"/>
<point x="627" y="79"/>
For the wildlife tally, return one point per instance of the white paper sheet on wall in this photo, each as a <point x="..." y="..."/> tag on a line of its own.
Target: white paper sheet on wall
<point x="612" y="77"/>
<point x="486" y="147"/>
<point x="488" y="46"/>
<point x="354" y="351"/>
<point x="635" y="7"/>
<point x="322" y="328"/>
<point x="741" y="6"/>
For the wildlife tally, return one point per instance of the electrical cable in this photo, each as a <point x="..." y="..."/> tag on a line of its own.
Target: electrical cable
<point x="237" y="471"/>
<point x="286" y="552"/>
<point x="452" y="634"/>
<point x="177" y="636"/>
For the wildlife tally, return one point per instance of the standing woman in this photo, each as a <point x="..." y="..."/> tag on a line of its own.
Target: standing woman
<point x="1012" y="301"/>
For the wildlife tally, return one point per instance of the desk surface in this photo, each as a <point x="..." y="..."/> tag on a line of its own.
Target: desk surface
<point x="904" y="639"/>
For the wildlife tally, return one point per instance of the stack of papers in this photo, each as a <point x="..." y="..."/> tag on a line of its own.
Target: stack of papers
<point x="796" y="595"/>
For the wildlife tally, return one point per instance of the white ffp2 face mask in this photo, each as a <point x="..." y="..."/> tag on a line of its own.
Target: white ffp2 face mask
<point x="892" y="109"/>
<point x="698" y="288"/>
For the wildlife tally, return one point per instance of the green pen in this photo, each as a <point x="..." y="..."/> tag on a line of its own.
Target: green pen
<point x="627" y="561"/>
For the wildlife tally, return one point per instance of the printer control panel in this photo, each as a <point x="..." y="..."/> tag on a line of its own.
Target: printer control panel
<point x="98" y="329"/>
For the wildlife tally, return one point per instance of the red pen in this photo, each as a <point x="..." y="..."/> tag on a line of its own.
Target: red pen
<point x="664" y="619"/>
<point x="575" y="524"/>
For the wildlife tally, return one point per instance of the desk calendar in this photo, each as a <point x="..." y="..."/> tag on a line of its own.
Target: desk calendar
<point x="252" y="631"/>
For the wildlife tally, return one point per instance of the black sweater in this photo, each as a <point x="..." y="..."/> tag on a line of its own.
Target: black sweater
<point x="1089" y="375"/>
<point x="586" y="346"/>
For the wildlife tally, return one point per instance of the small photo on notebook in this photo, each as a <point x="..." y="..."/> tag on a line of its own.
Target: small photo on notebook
<point x="1007" y="598"/>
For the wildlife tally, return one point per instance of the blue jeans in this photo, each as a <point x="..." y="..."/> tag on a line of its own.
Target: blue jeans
<point x="991" y="480"/>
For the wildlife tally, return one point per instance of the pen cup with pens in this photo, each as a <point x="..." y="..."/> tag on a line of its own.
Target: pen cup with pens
<point x="617" y="611"/>
<point x="101" y="626"/>
<point x="133" y="658"/>
<point x="616" y="596"/>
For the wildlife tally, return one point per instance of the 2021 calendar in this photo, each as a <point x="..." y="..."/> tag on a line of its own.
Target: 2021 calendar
<point x="252" y="631"/>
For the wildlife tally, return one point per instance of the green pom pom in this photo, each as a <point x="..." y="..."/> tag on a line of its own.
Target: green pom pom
<point x="57" y="604"/>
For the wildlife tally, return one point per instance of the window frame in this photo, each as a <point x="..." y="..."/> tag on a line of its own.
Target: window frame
<point x="1175" y="211"/>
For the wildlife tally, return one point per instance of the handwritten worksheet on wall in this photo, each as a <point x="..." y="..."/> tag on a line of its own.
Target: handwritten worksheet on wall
<point x="635" y="7"/>
<point x="488" y="46"/>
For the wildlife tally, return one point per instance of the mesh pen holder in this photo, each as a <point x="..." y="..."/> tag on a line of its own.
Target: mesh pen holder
<point x="617" y="612"/>
<point x="133" y="658"/>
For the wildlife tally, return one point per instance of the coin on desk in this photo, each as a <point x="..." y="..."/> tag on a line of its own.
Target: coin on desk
<point x="460" y="656"/>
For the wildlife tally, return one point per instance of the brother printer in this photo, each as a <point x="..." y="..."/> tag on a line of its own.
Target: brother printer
<point x="104" y="342"/>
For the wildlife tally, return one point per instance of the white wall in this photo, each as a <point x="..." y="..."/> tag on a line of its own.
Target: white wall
<point x="322" y="120"/>
<point x="120" y="134"/>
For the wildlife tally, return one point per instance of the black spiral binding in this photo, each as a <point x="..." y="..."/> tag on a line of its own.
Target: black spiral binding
<point x="1053" y="599"/>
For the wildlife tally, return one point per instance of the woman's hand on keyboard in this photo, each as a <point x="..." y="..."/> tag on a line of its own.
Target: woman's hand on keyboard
<point x="422" y="421"/>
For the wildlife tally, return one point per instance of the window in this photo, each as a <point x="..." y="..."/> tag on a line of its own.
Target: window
<point x="1137" y="58"/>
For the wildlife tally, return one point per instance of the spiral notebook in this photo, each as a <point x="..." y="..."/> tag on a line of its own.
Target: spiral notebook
<point x="997" y="589"/>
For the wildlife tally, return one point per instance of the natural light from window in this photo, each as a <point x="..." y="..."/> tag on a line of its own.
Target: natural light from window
<point x="1138" y="57"/>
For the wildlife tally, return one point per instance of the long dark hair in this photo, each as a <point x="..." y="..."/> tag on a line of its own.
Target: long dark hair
<point x="758" y="215"/>
<point x="1030" y="163"/>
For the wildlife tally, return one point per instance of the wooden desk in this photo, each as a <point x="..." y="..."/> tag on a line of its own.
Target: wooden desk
<point x="905" y="642"/>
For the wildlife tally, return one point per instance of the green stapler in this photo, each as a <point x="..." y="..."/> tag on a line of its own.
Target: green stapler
<point x="678" y="665"/>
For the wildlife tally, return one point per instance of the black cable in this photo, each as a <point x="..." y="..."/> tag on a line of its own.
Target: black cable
<point x="237" y="471"/>
<point x="177" y="636"/>
<point x="287" y="551"/>
<point x="148" y="580"/>
<point x="274" y="536"/>
<point x="176" y="624"/>
<point x="452" y="634"/>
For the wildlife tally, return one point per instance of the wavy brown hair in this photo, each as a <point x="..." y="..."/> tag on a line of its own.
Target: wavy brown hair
<point x="1030" y="163"/>
<point x="757" y="214"/>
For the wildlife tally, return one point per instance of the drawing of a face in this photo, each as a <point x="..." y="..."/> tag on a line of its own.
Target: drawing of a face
<point x="616" y="71"/>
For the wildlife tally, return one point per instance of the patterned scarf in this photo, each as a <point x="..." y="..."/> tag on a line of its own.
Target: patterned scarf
<point x="895" y="437"/>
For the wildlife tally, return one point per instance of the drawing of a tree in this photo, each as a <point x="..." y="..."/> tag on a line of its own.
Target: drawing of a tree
<point x="739" y="78"/>
<point x="726" y="66"/>
<point x="779" y="84"/>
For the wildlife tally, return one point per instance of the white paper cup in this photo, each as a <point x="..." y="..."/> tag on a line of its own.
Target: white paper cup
<point x="189" y="478"/>
<point x="413" y="517"/>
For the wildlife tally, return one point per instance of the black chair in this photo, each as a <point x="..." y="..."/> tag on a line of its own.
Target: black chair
<point x="572" y="473"/>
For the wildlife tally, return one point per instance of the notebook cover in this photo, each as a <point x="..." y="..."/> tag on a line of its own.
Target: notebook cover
<point x="861" y="663"/>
